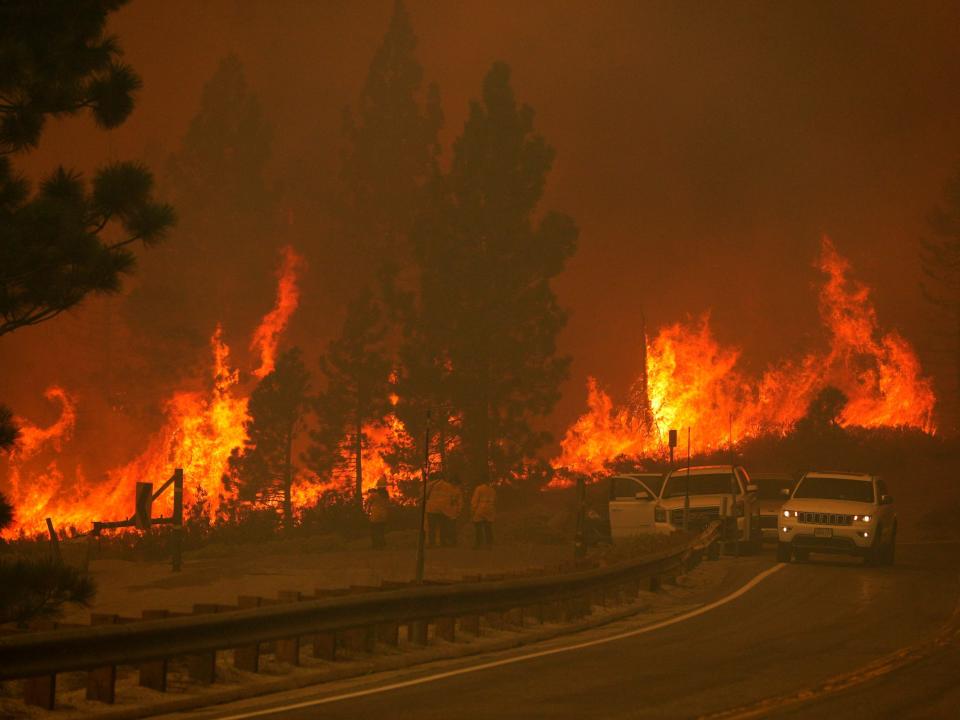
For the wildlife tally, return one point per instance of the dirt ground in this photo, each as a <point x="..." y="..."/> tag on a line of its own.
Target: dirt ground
<point x="219" y="575"/>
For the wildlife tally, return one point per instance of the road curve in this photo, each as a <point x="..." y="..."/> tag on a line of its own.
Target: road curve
<point x="827" y="638"/>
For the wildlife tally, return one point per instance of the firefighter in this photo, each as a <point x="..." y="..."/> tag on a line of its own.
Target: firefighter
<point x="482" y="511"/>
<point x="378" y="511"/>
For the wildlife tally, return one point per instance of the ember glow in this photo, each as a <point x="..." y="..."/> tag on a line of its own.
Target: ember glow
<point x="693" y="381"/>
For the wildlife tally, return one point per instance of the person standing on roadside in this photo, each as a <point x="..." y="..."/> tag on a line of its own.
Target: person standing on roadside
<point x="378" y="511"/>
<point x="451" y="510"/>
<point x="438" y="497"/>
<point x="482" y="511"/>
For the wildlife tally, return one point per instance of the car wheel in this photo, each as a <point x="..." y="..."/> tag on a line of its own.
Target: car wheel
<point x="783" y="552"/>
<point x="874" y="555"/>
<point x="889" y="550"/>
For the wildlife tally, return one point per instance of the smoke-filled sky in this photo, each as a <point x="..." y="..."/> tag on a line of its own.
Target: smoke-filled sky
<point x="702" y="148"/>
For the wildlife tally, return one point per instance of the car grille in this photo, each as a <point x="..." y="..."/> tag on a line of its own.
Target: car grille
<point x="768" y="521"/>
<point x="813" y="518"/>
<point x="698" y="515"/>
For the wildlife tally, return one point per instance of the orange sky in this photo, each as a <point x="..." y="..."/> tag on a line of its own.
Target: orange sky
<point x="703" y="148"/>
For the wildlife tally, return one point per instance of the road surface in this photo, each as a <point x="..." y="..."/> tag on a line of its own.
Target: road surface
<point x="829" y="638"/>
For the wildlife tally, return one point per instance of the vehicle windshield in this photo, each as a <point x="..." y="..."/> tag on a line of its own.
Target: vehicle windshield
<point x="835" y="488"/>
<point x="769" y="488"/>
<point x="706" y="484"/>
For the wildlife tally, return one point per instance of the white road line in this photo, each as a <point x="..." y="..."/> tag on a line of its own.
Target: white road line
<point x="511" y="660"/>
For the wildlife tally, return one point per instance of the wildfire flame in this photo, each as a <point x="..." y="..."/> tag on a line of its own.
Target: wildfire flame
<point x="200" y="430"/>
<point x="693" y="381"/>
<point x="268" y="333"/>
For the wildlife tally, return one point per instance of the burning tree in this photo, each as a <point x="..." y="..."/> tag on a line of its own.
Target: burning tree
<point x="263" y="469"/>
<point x="485" y="301"/>
<point x="356" y="369"/>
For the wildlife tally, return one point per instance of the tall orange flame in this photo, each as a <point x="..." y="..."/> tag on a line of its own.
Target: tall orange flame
<point x="693" y="381"/>
<point x="267" y="335"/>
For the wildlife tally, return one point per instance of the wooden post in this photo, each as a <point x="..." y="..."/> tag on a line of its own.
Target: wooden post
<point x="287" y="650"/>
<point x="54" y="542"/>
<point x="101" y="682"/>
<point x="417" y="632"/>
<point x="325" y="646"/>
<point x="41" y="691"/>
<point x="177" y="536"/>
<point x="153" y="673"/>
<point x="446" y="629"/>
<point x="470" y="624"/>
<point x="247" y="657"/>
<point x="389" y="633"/>
<point x="202" y="667"/>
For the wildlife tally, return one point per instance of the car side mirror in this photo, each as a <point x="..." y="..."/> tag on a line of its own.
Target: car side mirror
<point x="751" y="488"/>
<point x="785" y="492"/>
<point x="886" y="499"/>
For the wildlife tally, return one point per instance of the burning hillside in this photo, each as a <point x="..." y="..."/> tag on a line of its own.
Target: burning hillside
<point x="690" y="380"/>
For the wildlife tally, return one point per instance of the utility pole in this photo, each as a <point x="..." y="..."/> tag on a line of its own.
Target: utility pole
<point x="686" y="494"/>
<point x="421" y="539"/>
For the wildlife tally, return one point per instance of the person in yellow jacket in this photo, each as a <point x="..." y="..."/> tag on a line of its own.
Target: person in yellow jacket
<point x="378" y="512"/>
<point x="482" y="511"/>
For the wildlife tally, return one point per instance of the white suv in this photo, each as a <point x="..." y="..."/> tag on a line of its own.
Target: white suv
<point x="838" y="512"/>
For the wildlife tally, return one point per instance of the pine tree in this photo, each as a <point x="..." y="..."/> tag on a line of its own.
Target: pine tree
<point x="356" y="369"/>
<point x="940" y="258"/>
<point x="67" y="240"/>
<point x="391" y="148"/>
<point x="487" y="311"/>
<point x="226" y="235"/>
<point x="263" y="469"/>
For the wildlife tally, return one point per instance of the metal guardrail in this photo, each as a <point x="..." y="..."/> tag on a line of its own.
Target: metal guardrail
<point x="46" y="653"/>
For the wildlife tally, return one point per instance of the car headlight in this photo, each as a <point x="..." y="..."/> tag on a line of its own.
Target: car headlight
<point x="659" y="514"/>
<point x="863" y="518"/>
<point x="790" y="513"/>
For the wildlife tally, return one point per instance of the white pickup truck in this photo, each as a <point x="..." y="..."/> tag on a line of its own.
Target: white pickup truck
<point x="633" y="497"/>
<point x="716" y="492"/>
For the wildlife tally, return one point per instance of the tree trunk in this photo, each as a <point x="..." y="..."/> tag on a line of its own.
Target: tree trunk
<point x="288" y="481"/>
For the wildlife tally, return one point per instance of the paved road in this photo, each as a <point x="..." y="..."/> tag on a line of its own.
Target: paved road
<point x="778" y="650"/>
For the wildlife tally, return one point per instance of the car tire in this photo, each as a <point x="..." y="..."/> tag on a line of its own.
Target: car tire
<point x="783" y="552"/>
<point x="889" y="550"/>
<point x="874" y="554"/>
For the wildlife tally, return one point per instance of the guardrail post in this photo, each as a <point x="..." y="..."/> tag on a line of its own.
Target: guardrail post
<point x="288" y="649"/>
<point x="101" y="682"/>
<point x="41" y="691"/>
<point x="153" y="673"/>
<point x="247" y="658"/>
<point x="470" y="624"/>
<point x="202" y="667"/>
<point x="357" y="639"/>
<point x="417" y="632"/>
<point x="446" y="629"/>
